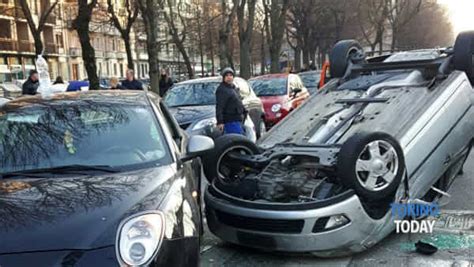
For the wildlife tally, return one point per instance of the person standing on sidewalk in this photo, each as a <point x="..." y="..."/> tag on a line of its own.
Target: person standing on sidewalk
<point x="30" y="86"/>
<point x="229" y="107"/>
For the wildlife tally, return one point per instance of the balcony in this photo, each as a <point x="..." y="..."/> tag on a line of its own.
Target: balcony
<point x="51" y="19"/>
<point x="110" y="54"/>
<point x="26" y="46"/>
<point x="121" y="55"/>
<point x="8" y="45"/>
<point x="99" y="53"/>
<point x="75" y="52"/>
<point x="51" y="48"/>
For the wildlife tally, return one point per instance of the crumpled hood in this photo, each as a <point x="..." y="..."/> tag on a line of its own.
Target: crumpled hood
<point x="75" y="213"/>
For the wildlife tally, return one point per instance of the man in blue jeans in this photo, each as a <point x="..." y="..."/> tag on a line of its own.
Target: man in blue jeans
<point x="229" y="107"/>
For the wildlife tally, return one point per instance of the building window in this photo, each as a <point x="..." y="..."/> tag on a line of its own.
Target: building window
<point x="121" y="70"/>
<point x="115" y="69"/>
<point x="59" y="40"/>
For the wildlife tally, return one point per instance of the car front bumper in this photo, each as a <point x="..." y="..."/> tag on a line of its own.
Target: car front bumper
<point x="360" y="233"/>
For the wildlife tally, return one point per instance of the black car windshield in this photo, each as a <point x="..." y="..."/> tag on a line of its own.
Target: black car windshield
<point x="52" y="134"/>
<point x="192" y="94"/>
<point x="269" y="87"/>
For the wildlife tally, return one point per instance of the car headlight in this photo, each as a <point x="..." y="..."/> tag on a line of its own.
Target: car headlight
<point x="204" y="123"/>
<point x="276" y="108"/>
<point x="139" y="238"/>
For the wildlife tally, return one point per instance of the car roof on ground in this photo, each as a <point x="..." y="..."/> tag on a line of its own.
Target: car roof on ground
<point x="103" y="96"/>
<point x="271" y="76"/>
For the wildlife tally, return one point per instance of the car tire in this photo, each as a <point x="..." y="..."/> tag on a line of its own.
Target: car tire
<point x="214" y="162"/>
<point x="341" y="54"/>
<point x="372" y="164"/>
<point x="261" y="128"/>
<point x="463" y="52"/>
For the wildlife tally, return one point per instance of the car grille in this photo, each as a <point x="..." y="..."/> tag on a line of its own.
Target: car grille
<point x="262" y="225"/>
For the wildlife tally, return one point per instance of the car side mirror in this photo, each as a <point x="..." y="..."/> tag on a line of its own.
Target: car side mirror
<point x="197" y="146"/>
<point x="295" y="90"/>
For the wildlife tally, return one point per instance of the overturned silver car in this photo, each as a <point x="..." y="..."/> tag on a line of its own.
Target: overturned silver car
<point x="382" y="130"/>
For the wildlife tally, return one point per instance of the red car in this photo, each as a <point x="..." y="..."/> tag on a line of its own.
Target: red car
<point x="280" y="94"/>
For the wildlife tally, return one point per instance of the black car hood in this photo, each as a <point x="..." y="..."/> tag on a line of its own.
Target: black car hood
<point x="75" y="213"/>
<point x="189" y="114"/>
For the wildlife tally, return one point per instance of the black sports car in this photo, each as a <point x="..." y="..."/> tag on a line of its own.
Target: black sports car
<point x="102" y="178"/>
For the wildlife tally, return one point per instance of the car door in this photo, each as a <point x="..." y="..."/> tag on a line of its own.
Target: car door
<point x="252" y="103"/>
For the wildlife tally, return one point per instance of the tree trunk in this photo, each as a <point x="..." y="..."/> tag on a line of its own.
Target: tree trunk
<point x="306" y="57"/>
<point x="201" y="50"/>
<point x="312" y="55"/>
<point x="262" y="53"/>
<point x="245" y="59"/>
<point x="88" y="53"/>
<point x="38" y="43"/>
<point x="298" y="59"/>
<point x="128" y="49"/>
<point x="148" y="10"/>
<point x="186" y="59"/>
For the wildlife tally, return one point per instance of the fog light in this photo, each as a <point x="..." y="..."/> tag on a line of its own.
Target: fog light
<point x="336" y="221"/>
<point x="278" y="115"/>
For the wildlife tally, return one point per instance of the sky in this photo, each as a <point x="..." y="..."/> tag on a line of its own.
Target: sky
<point x="461" y="13"/>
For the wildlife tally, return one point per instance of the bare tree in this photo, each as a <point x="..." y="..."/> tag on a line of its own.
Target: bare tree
<point x="400" y="12"/>
<point x="372" y="16"/>
<point x="431" y="27"/>
<point x="124" y="27"/>
<point x="227" y="15"/>
<point x="81" y="24"/>
<point x="245" y="33"/>
<point x="275" y="18"/>
<point x="178" y="34"/>
<point x="148" y="9"/>
<point x="36" y="30"/>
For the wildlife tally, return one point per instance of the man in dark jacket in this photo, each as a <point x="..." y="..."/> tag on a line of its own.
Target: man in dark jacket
<point x="130" y="83"/>
<point x="229" y="107"/>
<point x="31" y="84"/>
<point x="165" y="82"/>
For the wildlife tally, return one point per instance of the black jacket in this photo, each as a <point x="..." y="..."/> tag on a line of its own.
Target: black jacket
<point x="165" y="84"/>
<point x="132" y="85"/>
<point x="229" y="106"/>
<point x="29" y="87"/>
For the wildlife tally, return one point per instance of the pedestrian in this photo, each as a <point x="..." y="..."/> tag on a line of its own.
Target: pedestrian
<point x="165" y="82"/>
<point x="59" y="80"/>
<point x="130" y="82"/>
<point x="229" y="107"/>
<point x="114" y="83"/>
<point x="30" y="86"/>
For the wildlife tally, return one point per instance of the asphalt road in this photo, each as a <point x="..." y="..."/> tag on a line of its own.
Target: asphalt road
<point x="455" y="248"/>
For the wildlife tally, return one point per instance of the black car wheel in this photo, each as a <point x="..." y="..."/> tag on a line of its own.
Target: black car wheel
<point x="372" y="164"/>
<point x="463" y="52"/>
<point x="217" y="163"/>
<point x="342" y="52"/>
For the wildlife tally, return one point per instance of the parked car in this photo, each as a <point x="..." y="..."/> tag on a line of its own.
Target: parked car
<point x="192" y="103"/>
<point x="280" y="94"/>
<point x="98" y="178"/>
<point x="324" y="178"/>
<point x="311" y="80"/>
